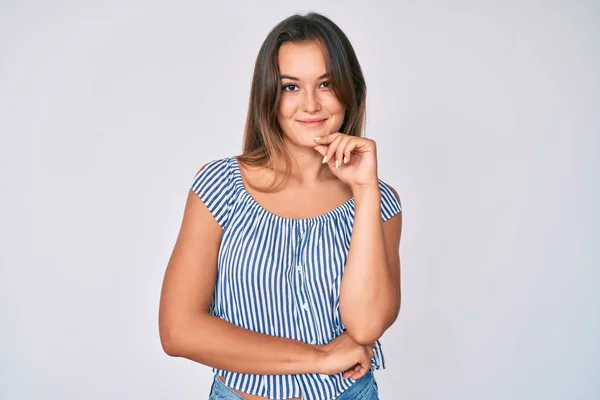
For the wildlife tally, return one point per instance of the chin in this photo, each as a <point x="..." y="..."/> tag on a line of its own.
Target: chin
<point x="307" y="141"/>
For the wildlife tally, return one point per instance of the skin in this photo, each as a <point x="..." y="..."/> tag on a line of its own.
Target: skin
<point x="188" y="330"/>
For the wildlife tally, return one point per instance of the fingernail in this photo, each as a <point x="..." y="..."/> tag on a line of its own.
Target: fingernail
<point x="316" y="138"/>
<point x="325" y="159"/>
<point x="337" y="163"/>
<point x="345" y="160"/>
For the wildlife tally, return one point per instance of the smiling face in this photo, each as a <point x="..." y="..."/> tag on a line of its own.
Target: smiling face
<point x="308" y="107"/>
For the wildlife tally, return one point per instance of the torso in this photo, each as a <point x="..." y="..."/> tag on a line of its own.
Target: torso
<point x="305" y="229"/>
<point x="291" y="202"/>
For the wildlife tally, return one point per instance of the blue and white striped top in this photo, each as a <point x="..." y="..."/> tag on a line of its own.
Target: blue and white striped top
<point x="280" y="276"/>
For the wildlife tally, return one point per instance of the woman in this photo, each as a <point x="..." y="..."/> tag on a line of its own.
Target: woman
<point x="254" y="286"/>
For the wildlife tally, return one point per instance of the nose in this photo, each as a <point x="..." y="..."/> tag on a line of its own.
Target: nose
<point x="310" y="102"/>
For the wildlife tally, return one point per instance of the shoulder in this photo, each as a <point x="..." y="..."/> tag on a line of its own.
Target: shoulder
<point x="215" y="173"/>
<point x="217" y="165"/>
<point x="389" y="191"/>
<point x="390" y="201"/>
<point x="214" y="185"/>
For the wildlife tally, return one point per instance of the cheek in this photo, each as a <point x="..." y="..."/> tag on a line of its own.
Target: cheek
<point x="335" y="106"/>
<point x="287" y="107"/>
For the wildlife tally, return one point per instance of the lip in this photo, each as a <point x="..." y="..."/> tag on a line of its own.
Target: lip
<point x="313" y="121"/>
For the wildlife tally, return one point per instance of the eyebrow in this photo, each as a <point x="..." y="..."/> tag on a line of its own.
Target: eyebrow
<point x="325" y="75"/>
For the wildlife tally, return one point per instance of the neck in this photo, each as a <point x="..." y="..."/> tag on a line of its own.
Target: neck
<point x="307" y="165"/>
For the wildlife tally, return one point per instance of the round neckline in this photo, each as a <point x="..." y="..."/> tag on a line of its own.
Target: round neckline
<point x="240" y="182"/>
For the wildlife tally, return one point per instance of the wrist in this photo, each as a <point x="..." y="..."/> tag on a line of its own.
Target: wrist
<point x="317" y="360"/>
<point x="365" y="191"/>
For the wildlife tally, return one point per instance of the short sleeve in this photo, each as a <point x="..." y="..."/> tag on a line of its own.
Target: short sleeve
<point x="390" y="205"/>
<point x="213" y="184"/>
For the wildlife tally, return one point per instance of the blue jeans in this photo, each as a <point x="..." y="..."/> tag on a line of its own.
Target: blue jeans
<point x="363" y="389"/>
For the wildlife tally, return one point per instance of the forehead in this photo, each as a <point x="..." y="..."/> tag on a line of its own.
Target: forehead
<point x="302" y="60"/>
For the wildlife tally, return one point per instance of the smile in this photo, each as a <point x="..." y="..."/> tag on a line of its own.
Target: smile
<point x="313" y="122"/>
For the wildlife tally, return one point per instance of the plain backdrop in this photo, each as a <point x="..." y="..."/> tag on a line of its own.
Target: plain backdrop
<point x="486" y="115"/>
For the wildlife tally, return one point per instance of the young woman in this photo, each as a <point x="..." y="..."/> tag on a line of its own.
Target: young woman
<point x="286" y="270"/>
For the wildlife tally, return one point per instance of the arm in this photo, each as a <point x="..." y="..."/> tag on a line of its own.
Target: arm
<point x="188" y="330"/>
<point x="370" y="289"/>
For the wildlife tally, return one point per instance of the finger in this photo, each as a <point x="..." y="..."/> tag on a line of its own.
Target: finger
<point x="365" y="366"/>
<point x="348" y="150"/>
<point x="327" y="139"/>
<point x="362" y="373"/>
<point x="329" y="157"/>
<point x="352" y="368"/>
<point x="359" y="373"/>
<point x="348" y="373"/>
<point x="339" y="152"/>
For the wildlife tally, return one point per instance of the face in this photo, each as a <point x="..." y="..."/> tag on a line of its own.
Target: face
<point x="308" y="106"/>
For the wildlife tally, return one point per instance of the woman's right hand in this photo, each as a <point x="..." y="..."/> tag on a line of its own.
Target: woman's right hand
<point x="343" y="354"/>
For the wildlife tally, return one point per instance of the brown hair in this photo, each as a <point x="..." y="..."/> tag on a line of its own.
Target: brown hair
<point x="263" y="142"/>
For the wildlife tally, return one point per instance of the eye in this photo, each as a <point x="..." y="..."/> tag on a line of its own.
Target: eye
<point x="286" y="88"/>
<point x="326" y="84"/>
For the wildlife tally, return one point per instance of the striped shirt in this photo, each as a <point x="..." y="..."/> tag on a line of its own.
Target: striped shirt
<point x="280" y="276"/>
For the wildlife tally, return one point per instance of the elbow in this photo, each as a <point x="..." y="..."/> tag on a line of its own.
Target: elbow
<point x="364" y="331"/>
<point x="368" y="330"/>
<point x="168" y="343"/>
<point x="169" y="347"/>
<point x="169" y="339"/>
<point x="176" y="337"/>
<point x="366" y="335"/>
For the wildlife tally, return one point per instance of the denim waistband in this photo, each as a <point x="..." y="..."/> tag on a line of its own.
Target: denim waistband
<point x="360" y="388"/>
<point x="221" y="391"/>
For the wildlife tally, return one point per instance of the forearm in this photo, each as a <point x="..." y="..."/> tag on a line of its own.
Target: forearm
<point x="217" y="343"/>
<point x="369" y="295"/>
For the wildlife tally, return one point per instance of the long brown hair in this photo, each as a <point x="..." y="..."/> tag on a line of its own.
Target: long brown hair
<point x="263" y="142"/>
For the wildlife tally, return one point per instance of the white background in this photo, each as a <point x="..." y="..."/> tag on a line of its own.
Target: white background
<point x="486" y="117"/>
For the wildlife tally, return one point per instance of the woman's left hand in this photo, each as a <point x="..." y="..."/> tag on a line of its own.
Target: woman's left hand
<point x="350" y="158"/>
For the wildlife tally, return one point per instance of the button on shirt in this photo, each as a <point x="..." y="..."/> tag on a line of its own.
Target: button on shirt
<point x="280" y="276"/>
